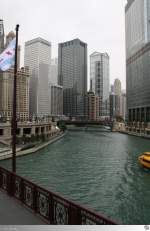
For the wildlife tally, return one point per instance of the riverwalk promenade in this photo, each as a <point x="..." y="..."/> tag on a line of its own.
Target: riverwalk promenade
<point x="8" y="154"/>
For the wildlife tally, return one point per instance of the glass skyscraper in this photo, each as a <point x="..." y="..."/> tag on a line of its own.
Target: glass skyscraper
<point x="138" y="59"/>
<point x="99" y="75"/>
<point x="72" y="75"/>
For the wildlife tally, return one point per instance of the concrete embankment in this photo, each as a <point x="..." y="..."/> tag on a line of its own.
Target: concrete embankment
<point x="135" y="134"/>
<point x="8" y="154"/>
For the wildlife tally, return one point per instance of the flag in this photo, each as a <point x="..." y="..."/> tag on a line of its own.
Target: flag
<point x="7" y="57"/>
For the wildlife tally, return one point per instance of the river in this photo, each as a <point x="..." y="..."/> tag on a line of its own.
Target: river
<point x="96" y="169"/>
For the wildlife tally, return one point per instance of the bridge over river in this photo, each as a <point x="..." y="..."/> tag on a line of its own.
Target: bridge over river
<point x="87" y="122"/>
<point x="96" y="169"/>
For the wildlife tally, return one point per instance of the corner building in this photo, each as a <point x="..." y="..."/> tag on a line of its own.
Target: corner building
<point x="72" y="75"/>
<point x="137" y="13"/>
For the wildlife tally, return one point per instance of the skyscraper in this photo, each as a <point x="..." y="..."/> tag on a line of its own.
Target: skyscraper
<point x="117" y="87"/>
<point x="114" y="105"/>
<point x="1" y="36"/>
<point x="72" y="75"/>
<point x="137" y="13"/>
<point x="56" y="99"/>
<point x="54" y="71"/>
<point x="123" y="105"/>
<point x="99" y="75"/>
<point x="38" y="58"/>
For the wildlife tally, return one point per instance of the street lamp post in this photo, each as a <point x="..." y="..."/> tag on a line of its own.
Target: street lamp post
<point x="14" y="118"/>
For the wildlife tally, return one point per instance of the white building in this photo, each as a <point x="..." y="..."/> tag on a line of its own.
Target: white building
<point x="38" y="59"/>
<point x="99" y="76"/>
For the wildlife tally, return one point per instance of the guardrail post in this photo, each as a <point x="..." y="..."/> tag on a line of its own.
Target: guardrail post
<point x="1" y="179"/>
<point x="10" y="184"/>
<point x="51" y="209"/>
<point x="35" y="199"/>
<point x="22" y="191"/>
<point x="74" y="217"/>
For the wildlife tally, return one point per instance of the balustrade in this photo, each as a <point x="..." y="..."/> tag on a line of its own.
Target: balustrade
<point x="52" y="207"/>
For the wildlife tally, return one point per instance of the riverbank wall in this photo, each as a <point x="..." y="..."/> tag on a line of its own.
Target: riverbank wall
<point x="135" y="134"/>
<point x="19" y="152"/>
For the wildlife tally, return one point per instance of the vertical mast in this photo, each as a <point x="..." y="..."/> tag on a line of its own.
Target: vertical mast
<point x="14" y="119"/>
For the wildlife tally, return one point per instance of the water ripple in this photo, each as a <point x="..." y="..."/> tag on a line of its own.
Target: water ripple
<point x="97" y="169"/>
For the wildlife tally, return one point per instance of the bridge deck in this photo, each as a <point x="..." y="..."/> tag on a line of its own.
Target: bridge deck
<point x="12" y="212"/>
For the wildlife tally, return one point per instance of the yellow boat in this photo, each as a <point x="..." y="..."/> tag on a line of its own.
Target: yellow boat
<point x="144" y="159"/>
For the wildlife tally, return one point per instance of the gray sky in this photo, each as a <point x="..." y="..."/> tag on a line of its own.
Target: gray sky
<point x="99" y="23"/>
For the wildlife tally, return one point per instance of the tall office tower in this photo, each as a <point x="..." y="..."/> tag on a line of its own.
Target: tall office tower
<point x="72" y="75"/>
<point x="99" y="75"/>
<point x="1" y="36"/>
<point x="56" y="99"/>
<point x="9" y="38"/>
<point x="123" y="105"/>
<point x="54" y="71"/>
<point x="38" y="58"/>
<point x="117" y="93"/>
<point x="114" y="105"/>
<point x="6" y="93"/>
<point x="111" y="88"/>
<point x="117" y="87"/>
<point x="137" y="14"/>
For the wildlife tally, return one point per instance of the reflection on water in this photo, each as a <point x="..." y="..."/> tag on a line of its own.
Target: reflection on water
<point x="97" y="169"/>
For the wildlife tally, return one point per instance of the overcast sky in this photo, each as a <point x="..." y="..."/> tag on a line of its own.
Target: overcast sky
<point x="99" y="23"/>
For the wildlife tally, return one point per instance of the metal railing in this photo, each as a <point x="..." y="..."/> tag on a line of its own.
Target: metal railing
<point x="52" y="207"/>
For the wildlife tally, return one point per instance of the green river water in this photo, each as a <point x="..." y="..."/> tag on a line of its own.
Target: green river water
<point x="96" y="169"/>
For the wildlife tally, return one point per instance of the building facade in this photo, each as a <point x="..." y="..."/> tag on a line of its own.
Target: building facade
<point x="137" y="13"/>
<point x="117" y="87"/>
<point x="93" y="103"/>
<point x="72" y="75"/>
<point x="114" y="106"/>
<point x="6" y="94"/>
<point x="56" y="100"/>
<point x="123" y="105"/>
<point x="38" y="59"/>
<point x="99" y="76"/>
<point x="29" y="131"/>
<point x="54" y="71"/>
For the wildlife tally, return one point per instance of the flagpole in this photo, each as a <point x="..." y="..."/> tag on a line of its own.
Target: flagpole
<point x="14" y="118"/>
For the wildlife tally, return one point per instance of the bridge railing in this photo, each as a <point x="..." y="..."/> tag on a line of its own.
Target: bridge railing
<point x="52" y="207"/>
